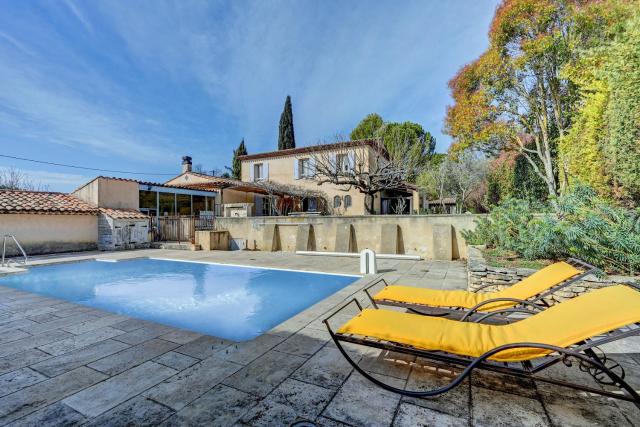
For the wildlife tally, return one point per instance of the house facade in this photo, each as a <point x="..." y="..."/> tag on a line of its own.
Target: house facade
<point x="296" y="167"/>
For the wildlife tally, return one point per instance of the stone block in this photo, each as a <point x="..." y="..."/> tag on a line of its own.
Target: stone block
<point x="213" y="240"/>
<point x="442" y="242"/>
<point x="345" y="239"/>
<point x="271" y="238"/>
<point x="390" y="239"/>
<point x="305" y="238"/>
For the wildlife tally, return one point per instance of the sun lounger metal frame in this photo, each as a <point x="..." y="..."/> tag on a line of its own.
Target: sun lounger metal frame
<point x="534" y="303"/>
<point x="584" y="352"/>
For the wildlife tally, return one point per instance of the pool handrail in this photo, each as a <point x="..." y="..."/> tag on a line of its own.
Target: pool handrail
<point x="4" y="249"/>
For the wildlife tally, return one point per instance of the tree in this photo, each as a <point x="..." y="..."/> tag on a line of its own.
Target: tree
<point x="15" y="179"/>
<point x="286" y="138"/>
<point x="413" y="137"/>
<point x="368" y="167"/>
<point x="367" y="128"/>
<point x="236" y="165"/>
<point x="462" y="178"/>
<point x="410" y="134"/>
<point x="513" y="96"/>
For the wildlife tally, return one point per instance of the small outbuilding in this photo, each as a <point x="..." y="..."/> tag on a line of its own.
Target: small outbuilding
<point x="122" y="229"/>
<point x="47" y="222"/>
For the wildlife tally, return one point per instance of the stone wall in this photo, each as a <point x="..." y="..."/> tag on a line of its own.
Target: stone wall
<point x="415" y="233"/>
<point x="481" y="274"/>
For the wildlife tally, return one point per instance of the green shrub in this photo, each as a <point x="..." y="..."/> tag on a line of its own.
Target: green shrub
<point x="585" y="226"/>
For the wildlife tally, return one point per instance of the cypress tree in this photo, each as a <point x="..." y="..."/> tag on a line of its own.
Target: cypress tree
<point x="286" y="139"/>
<point x="236" y="167"/>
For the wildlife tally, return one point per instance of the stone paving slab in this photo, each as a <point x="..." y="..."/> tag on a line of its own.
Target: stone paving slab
<point x="180" y="390"/>
<point x="119" y="362"/>
<point x="26" y="401"/>
<point x="151" y="374"/>
<point x="68" y="361"/>
<point x="220" y="406"/>
<point x="120" y="388"/>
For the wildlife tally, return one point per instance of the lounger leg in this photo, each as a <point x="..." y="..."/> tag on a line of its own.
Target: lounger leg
<point x="426" y="393"/>
<point x="615" y="378"/>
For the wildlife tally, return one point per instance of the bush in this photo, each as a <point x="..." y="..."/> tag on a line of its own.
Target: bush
<point x="584" y="226"/>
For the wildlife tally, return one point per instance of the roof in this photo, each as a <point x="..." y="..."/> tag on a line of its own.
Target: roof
<point x="310" y="149"/>
<point x="42" y="202"/>
<point x="115" y="178"/>
<point x="217" y="182"/>
<point x="123" y="213"/>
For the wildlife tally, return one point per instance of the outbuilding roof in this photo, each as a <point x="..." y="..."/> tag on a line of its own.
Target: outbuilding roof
<point x="42" y="202"/>
<point x="123" y="213"/>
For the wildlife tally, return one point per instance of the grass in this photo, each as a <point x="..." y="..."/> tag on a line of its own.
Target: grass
<point x="507" y="259"/>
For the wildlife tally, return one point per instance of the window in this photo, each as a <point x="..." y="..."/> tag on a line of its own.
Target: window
<point x="167" y="204"/>
<point x="258" y="172"/>
<point x="304" y="168"/>
<point x="148" y="199"/>
<point x="184" y="204"/>
<point x="342" y="163"/>
<point x="347" y="201"/>
<point x="337" y="201"/>
<point x="199" y="204"/>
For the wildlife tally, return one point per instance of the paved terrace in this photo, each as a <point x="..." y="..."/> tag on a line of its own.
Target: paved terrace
<point x="66" y="364"/>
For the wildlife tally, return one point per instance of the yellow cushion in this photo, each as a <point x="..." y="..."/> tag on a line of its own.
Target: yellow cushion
<point x="529" y="287"/>
<point x="561" y="325"/>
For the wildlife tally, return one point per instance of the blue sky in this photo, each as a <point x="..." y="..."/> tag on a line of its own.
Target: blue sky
<point x="134" y="85"/>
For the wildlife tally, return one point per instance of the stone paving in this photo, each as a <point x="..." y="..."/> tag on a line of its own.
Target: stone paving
<point x="66" y="364"/>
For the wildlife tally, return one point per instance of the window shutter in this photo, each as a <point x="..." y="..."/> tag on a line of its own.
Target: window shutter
<point x="252" y="167"/>
<point x="312" y="166"/>
<point x="265" y="168"/>
<point x="332" y="160"/>
<point x="352" y="161"/>
<point x="296" y="171"/>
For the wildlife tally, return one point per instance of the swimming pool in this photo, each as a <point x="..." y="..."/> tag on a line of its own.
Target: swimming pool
<point x="232" y="302"/>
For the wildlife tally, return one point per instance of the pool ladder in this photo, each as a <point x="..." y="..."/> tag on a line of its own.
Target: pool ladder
<point x="4" y="250"/>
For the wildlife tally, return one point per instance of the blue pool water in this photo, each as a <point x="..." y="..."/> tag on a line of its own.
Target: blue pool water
<point x="237" y="303"/>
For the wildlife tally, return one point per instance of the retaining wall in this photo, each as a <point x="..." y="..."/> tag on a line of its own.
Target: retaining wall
<point x="480" y="274"/>
<point x="415" y="232"/>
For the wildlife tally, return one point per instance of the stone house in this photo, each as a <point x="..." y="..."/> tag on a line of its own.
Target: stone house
<point x="295" y="167"/>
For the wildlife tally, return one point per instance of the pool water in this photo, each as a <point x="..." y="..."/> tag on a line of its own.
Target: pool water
<point x="236" y="303"/>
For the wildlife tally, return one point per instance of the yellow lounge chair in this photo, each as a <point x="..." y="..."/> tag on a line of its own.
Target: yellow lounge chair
<point x="528" y="293"/>
<point x="571" y="329"/>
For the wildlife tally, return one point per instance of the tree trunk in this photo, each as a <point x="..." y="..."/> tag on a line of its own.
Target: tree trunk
<point x="368" y="203"/>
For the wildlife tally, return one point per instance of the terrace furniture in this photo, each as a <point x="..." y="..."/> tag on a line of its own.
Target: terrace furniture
<point x="528" y="294"/>
<point x="569" y="330"/>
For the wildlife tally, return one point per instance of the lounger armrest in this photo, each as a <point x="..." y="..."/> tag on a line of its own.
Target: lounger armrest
<point x="476" y="307"/>
<point x="502" y="312"/>
<point x="374" y="283"/>
<point x="353" y="301"/>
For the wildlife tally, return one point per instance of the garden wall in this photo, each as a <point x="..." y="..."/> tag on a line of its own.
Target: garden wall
<point x="43" y="234"/>
<point x="415" y="232"/>
<point x="481" y="274"/>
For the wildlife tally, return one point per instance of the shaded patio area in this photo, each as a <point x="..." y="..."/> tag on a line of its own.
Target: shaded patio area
<point x="66" y="364"/>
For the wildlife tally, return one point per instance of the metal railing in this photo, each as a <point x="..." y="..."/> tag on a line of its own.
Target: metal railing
<point x="4" y="249"/>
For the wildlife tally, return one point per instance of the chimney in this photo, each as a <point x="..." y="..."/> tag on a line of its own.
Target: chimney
<point x="186" y="164"/>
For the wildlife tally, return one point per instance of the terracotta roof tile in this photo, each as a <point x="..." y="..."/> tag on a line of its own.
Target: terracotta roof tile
<point x="42" y="202"/>
<point x="123" y="213"/>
